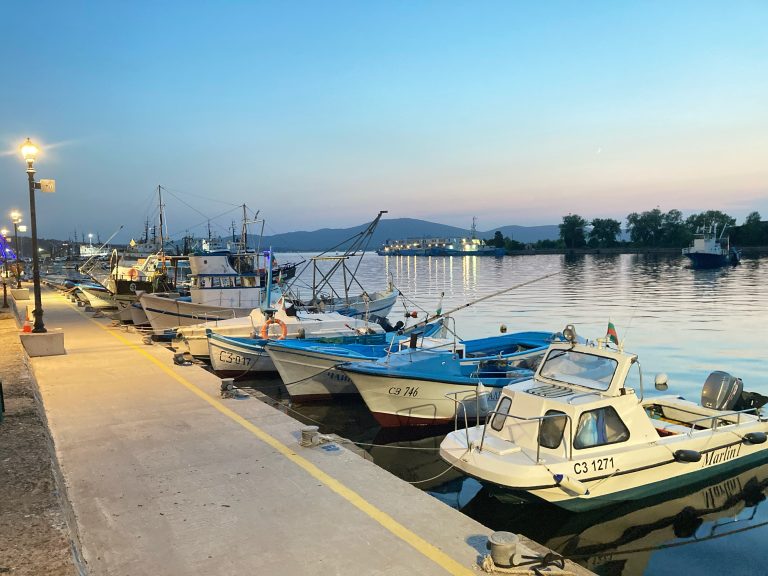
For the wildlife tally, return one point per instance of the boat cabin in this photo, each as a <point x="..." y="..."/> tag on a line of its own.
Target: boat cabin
<point x="581" y="397"/>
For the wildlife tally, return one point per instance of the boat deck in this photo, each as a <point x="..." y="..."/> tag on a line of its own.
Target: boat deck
<point x="163" y="476"/>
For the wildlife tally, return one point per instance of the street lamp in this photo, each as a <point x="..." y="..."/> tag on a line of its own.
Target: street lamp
<point x="4" y="233"/>
<point x="16" y="219"/>
<point x="29" y="151"/>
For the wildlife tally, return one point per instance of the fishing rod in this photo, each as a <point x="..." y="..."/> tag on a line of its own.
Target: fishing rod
<point x="498" y="293"/>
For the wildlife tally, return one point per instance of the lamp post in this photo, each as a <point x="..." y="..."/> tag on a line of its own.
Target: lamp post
<point x="16" y="219"/>
<point x="4" y="234"/>
<point x="29" y="151"/>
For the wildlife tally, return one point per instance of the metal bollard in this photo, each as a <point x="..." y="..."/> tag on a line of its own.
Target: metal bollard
<point x="503" y="547"/>
<point x="309" y="435"/>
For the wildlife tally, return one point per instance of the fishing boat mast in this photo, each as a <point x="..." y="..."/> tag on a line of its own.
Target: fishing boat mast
<point x="162" y="235"/>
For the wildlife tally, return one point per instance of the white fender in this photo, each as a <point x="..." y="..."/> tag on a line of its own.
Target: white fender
<point x="571" y="484"/>
<point x="482" y="393"/>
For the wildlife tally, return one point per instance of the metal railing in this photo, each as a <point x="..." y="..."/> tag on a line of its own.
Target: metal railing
<point x="716" y="418"/>
<point x="566" y="444"/>
<point x="459" y="403"/>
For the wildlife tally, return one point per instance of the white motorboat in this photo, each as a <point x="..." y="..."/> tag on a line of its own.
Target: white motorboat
<point x="580" y="434"/>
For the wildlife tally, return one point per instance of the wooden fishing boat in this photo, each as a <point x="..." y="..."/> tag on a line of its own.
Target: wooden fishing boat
<point x="424" y="386"/>
<point x="308" y="367"/>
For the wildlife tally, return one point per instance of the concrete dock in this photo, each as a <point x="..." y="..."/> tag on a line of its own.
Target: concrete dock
<point x="162" y="476"/>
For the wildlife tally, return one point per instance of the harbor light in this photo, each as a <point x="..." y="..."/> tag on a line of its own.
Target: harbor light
<point x="29" y="151"/>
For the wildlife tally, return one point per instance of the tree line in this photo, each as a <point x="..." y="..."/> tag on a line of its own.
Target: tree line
<point x="652" y="229"/>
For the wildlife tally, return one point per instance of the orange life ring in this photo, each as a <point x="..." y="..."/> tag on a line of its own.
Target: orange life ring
<point x="133" y="273"/>
<point x="264" y="332"/>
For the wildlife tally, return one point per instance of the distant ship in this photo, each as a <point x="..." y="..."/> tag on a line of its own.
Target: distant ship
<point x="710" y="250"/>
<point x="440" y="246"/>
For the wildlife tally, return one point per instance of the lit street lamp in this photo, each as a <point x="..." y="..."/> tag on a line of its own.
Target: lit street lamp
<point x="16" y="219"/>
<point x="29" y="151"/>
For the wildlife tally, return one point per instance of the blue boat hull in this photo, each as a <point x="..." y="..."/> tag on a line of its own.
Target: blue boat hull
<point x="700" y="260"/>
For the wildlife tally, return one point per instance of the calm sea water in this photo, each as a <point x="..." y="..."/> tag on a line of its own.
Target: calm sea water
<point x="680" y="321"/>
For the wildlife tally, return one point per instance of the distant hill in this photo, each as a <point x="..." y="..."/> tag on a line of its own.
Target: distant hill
<point x="395" y="229"/>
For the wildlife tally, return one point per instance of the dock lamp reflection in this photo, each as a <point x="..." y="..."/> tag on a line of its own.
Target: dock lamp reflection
<point x="4" y="234"/>
<point x="16" y="219"/>
<point x="29" y="151"/>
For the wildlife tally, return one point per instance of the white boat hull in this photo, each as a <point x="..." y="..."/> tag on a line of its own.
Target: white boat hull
<point x="310" y="376"/>
<point x="397" y="401"/>
<point x="167" y="313"/>
<point x="228" y="359"/>
<point x="302" y="325"/>
<point x="100" y="300"/>
<point x="124" y="309"/>
<point x="377" y="304"/>
<point x="607" y="475"/>
<point x="138" y="317"/>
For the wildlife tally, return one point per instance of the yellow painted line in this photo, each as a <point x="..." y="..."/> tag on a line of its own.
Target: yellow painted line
<point x="416" y="541"/>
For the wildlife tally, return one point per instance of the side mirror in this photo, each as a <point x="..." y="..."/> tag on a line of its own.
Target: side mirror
<point x="661" y="382"/>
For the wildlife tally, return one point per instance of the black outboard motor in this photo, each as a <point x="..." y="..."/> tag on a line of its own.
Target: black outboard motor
<point x="721" y="391"/>
<point x="383" y="322"/>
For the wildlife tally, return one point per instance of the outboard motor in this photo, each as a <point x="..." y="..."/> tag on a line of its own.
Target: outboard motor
<point x="721" y="391"/>
<point x="383" y="322"/>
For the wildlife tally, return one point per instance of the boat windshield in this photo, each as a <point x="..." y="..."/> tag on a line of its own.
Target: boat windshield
<point x="579" y="368"/>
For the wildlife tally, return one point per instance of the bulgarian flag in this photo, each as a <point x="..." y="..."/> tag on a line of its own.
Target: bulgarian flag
<point x="611" y="333"/>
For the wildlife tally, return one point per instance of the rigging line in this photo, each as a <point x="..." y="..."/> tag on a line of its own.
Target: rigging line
<point x="171" y="190"/>
<point x="207" y="220"/>
<point x="493" y="295"/>
<point x="149" y="201"/>
<point x="183" y="202"/>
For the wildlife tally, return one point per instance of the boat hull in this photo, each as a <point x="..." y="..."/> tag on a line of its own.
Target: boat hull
<point x="138" y="317"/>
<point x="167" y="313"/>
<point x="235" y="359"/>
<point x="396" y="401"/>
<point x="702" y="260"/>
<point x="311" y="376"/>
<point x="303" y="325"/>
<point x="99" y="299"/>
<point x="379" y="304"/>
<point x="608" y="476"/>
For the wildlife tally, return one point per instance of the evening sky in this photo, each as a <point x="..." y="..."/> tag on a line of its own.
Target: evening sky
<point x="322" y="113"/>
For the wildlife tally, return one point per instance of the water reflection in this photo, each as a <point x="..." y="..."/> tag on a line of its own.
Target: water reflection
<point x="622" y="539"/>
<point x="684" y="322"/>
